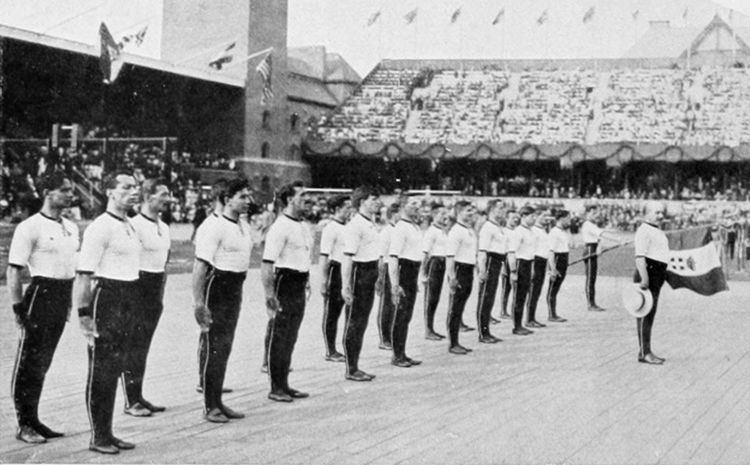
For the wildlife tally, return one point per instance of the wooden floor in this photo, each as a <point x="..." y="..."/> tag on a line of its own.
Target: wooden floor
<point x="572" y="393"/>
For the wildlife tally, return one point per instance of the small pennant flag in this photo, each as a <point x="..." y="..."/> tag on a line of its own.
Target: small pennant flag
<point x="137" y="38"/>
<point x="636" y="14"/>
<point x="264" y="70"/>
<point x="226" y="56"/>
<point x="500" y="16"/>
<point x="589" y="15"/>
<point x="455" y="15"/>
<point x="411" y="16"/>
<point x="543" y="17"/>
<point x="373" y="18"/>
<point x="110" y="55"/>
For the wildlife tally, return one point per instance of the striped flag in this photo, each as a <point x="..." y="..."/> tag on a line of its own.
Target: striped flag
<point x="411" y="16"/>
<point x="455" y="15"/>
<point x="694" y="262"/>
<point x="589" y="15"/>
<point x="265" y="70"/>
<point x="373" y="18"/>
<point x="136" y="38"/>
<point x="543" y="18"/>
<point x="110" y="55"/>
<point x="226" y="56"/>
<point x="500" y="16"/>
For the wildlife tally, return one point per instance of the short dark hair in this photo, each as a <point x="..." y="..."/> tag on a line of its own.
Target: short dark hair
<point x="52" y="181"/>
<point x="435" y="206"/>
<point x="149" y="187"/>
<point x="511" y="210"/>
<point x="492" y="203"/>
<point x="393" y="208"/>
<point x="287" y="191"/>
<point x="461" y="205"/>
<point x="362" y="193"/>
<point x="110" y="181"/>
<point x="233" y="186"/>
<point x="336" y="202"/>
<point x="560" y="214"/>
<point x="591" y="207"/>
<point x="218" y="190"/>
<point x="526" y="210"/>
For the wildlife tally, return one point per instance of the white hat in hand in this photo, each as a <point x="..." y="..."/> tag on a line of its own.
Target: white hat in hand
<point x="637" y="301"/>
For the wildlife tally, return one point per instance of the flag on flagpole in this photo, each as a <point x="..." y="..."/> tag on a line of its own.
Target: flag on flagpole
<point x="685" y="13"/>
<point x="455" y="15"/>
<point x="411" y="16"/>
<point x="264" y="70"/>
<point x="373" y="18"/>
<point x="543" y="18"/>
<point x="694" y="262"/>
<point x="136" y="37"/>
<point x="500" y="16"/>
<point x="110" y="55"/>
<point x="226" y="56"/>
<point x="589" y="15"/>
<point x="636" y="14"/>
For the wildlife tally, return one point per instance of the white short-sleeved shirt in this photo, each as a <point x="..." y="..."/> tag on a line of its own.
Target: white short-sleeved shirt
<point x="462" y="244"/>
<point x="492" y="239"/>
<point x="435" y="241"/>
<point x="46" y="245"/>
<point x="361" y="240"/>
<point x="288" y="244"/>
<point x="523" y="243"/>
<point x="225" y="244"/>
<point x="590" y="233"/>
<point x="559" y="240"/>
<point x="155" y="242"/>
<point x="542" y="242"/>
<point x="332" y="241"/>
<point x="406" y="241"/>
<point x="210" y="218"/>
<point x="651" y="242"/>
<point x="110" y="249"/>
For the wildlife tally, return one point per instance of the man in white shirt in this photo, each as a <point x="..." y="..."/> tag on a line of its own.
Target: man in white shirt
<point x="285" y="272"/>
<point x="331" y="256"/>
<point x="461" y="256"/>
<point x="386" y="309"/>
<point x="493" y="246"/>
<point x="651" y="259"/>
<point x="591" y="235"/>
<point x="512" y="223"/>
<point x="538" y="268"/>
<point x="521" y="248"/>
<point x="153" y="234"/>
<point x="47" y="244"/>
<point x="110" y="253"/>
<point x="433" y="267"/>
<point x="559" y="246"/>
<point x="222" y="257"/>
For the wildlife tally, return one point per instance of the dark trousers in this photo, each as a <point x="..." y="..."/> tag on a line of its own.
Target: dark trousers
<point x="364" y="275"/>
<point x="521" y="290"/>
<point x="507" y="287"/>
<point x="113" y="306"/>
<point x="47" y="301"/>
<point x="408" y="278"/>
<point x="332" y="306"/>
<point x="458" y="298"/>
<point x="487" y="292"/>
<point x="290" y="292"/>
<point x="591" y="265"/>
<point x="151" y="292"/>
<point x="538" y="271"/>
<point x="433" y="288"/>
<point x="553" y="287"/>
<point x="657" y="274"/>
<point x="386" y="309"/>
<point x="223" y="299"/>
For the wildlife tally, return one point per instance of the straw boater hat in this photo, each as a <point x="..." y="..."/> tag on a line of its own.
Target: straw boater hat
<point x="637" y="301"/>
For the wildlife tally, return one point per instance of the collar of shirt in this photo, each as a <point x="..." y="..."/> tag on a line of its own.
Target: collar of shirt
<point x="56" y="220"/>
<point x="333" y="218"/>
<point x="365" y="216"/>
<point x="118" y="218"/>
<point x="237" y="221"/>
<point x="146" y="217"/>
<point x="292" y="218"/>
<point x="461" y="224"/>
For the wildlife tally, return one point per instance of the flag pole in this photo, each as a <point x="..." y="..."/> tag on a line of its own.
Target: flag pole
<point x="203" y="52"/>
<point x="251" y="56"/>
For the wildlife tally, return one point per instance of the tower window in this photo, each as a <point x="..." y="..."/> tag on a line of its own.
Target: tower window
<point x="266" y="119"/>
<point x="264" y="149"/>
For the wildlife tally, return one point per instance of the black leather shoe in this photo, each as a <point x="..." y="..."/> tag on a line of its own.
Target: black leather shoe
<point x="488" y="339"/>
<point x="413" y="362"/>
<point x="336" y="357"/>
<point x="458" y="350"/>
<point x="651" y="360"/>
<point x="29" y="435"/>
<point x="385" y="346"/>
<point x="152" y="407"/>
<point x="400" y="362"/>
<point x="359" y="375"/>
<point x="295" y="394"/>
<point x="595" y="308"/>
<point x="280" y="396"/>
<point x="535" y="324"/>
<point x="46" y="432"/>
<point x="199" y="390"/>
<point x="264" y="368"/>
<point x="122" y="445"/>
<point x="522" y="332"/>
<point x="138" y="410"/>
<point x="466" y="328"/>
<point x="494" y="320"/>
<point x="433" y="336"/>
<point x="104" y="449"/>
<point x="652" y="354"/>
<point x="231" y="414"/>
<point x="556" y="319"/>
<point x="215" y="415"/>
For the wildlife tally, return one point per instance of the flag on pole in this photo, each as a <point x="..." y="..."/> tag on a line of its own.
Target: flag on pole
<point x="500" y="16"/>
<point x="694" y="262"/>
<point x="411" y="16"/>
<point x="136" y="38"/>
<point x="373" y="18"/>
<point x="455" y="15"/>
<point x="110" y="55"/>
<point x="226" y="56"/>
<point x="685" y="13"/>
<point x="636" y="14"/>
<point x="589" y="15"/>
<point x="543" y="18"/>
<point x="264" y="70"/>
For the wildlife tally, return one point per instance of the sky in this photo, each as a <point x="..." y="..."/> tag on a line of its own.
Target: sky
<point x="341" y="25"/>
